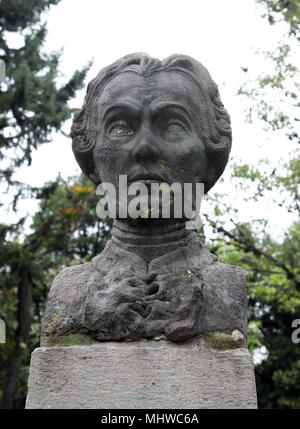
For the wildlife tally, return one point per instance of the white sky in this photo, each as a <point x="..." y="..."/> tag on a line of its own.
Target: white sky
<point x="223" y="35"/>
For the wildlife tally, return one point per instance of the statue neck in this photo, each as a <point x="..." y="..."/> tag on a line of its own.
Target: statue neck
<point x="149" y="241"/>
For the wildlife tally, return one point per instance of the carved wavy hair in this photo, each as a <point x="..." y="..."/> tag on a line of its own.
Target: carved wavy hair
<point x="214" y="120"/>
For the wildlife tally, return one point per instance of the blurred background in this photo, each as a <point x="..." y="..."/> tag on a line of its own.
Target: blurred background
<point x="51" y="50"/>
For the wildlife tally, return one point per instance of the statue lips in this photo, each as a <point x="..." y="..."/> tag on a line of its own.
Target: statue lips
<point x="148" y="178"/>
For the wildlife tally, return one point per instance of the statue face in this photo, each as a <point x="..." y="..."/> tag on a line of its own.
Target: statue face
<point x="149" y="130"/>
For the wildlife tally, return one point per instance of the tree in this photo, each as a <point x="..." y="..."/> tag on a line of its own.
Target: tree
<point x="273" y="278"/>
<point x="271" y="260"/>
<point x="284" y="10"/>
<point x="32" y="106"/>
<point x="65" y="231"/>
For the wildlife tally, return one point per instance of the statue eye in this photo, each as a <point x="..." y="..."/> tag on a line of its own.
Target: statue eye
<point x="121" y="128"/>
<point x="173" y="130"/>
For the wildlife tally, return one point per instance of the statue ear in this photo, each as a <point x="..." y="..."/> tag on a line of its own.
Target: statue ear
<point x="94" y="177"/>
<point x="210" y="178"/>
<point x="215" y="169"/>
<point x="83" y="151"/>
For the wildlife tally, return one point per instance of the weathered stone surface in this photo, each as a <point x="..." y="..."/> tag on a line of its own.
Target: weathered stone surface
<point x="144" y="374"/>
<point x="153" y="122"/>
<point x="119" y="296"/>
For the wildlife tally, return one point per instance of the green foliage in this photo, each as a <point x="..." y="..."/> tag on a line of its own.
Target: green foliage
<point x="274" y="97"/>
<point x="273" y="272"/>
<point x="16" y="15"/>
<point x="65" y="230"/>
<point x="31" y="104"/>
<point x="56" y="240"/>
<point x="284" y="10"/>
<point x="254" y="335"/>
<point x="272" y="263"/>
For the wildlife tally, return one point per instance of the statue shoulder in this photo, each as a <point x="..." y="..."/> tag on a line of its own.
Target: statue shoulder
<point x="225" y="297"/>
<point x="232" y="275"/>
<point x="62" y="314"/>
<point x="66" y="299"/>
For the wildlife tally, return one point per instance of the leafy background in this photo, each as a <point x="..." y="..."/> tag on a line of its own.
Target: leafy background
<point x="64" y="229"/>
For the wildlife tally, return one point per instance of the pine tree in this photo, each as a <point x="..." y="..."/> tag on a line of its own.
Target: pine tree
<point x="32" y="106"/>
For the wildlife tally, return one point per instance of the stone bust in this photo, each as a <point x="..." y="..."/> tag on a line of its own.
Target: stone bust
<point x="154" y="121"/>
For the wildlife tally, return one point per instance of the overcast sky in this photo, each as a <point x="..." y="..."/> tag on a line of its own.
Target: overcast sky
<point x="223" y="35"/>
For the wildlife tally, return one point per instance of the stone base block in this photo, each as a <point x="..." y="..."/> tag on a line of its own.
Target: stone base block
<point x="143" y="374"/>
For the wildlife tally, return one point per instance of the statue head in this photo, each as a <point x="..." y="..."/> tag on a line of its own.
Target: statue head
<point x="153" y="119"/>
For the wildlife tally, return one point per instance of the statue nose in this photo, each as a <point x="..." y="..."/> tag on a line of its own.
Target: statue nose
<point x="145" y="151"/>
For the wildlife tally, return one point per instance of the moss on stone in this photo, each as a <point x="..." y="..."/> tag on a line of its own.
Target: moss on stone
<point x="52" y="325"/>
<point x="163" y="164"/>
<point x="67" y="340"/>
<point x="217" y="340"/>
<point x="221" y="341"/>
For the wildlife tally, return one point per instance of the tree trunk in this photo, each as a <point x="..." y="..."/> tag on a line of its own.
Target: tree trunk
<point x="22" y="334"/>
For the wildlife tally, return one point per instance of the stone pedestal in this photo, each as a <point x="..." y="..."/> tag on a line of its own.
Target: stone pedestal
<point x="142" y="374"/>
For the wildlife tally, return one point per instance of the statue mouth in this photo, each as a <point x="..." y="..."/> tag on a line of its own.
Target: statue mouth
<point x="146" y="178"/>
